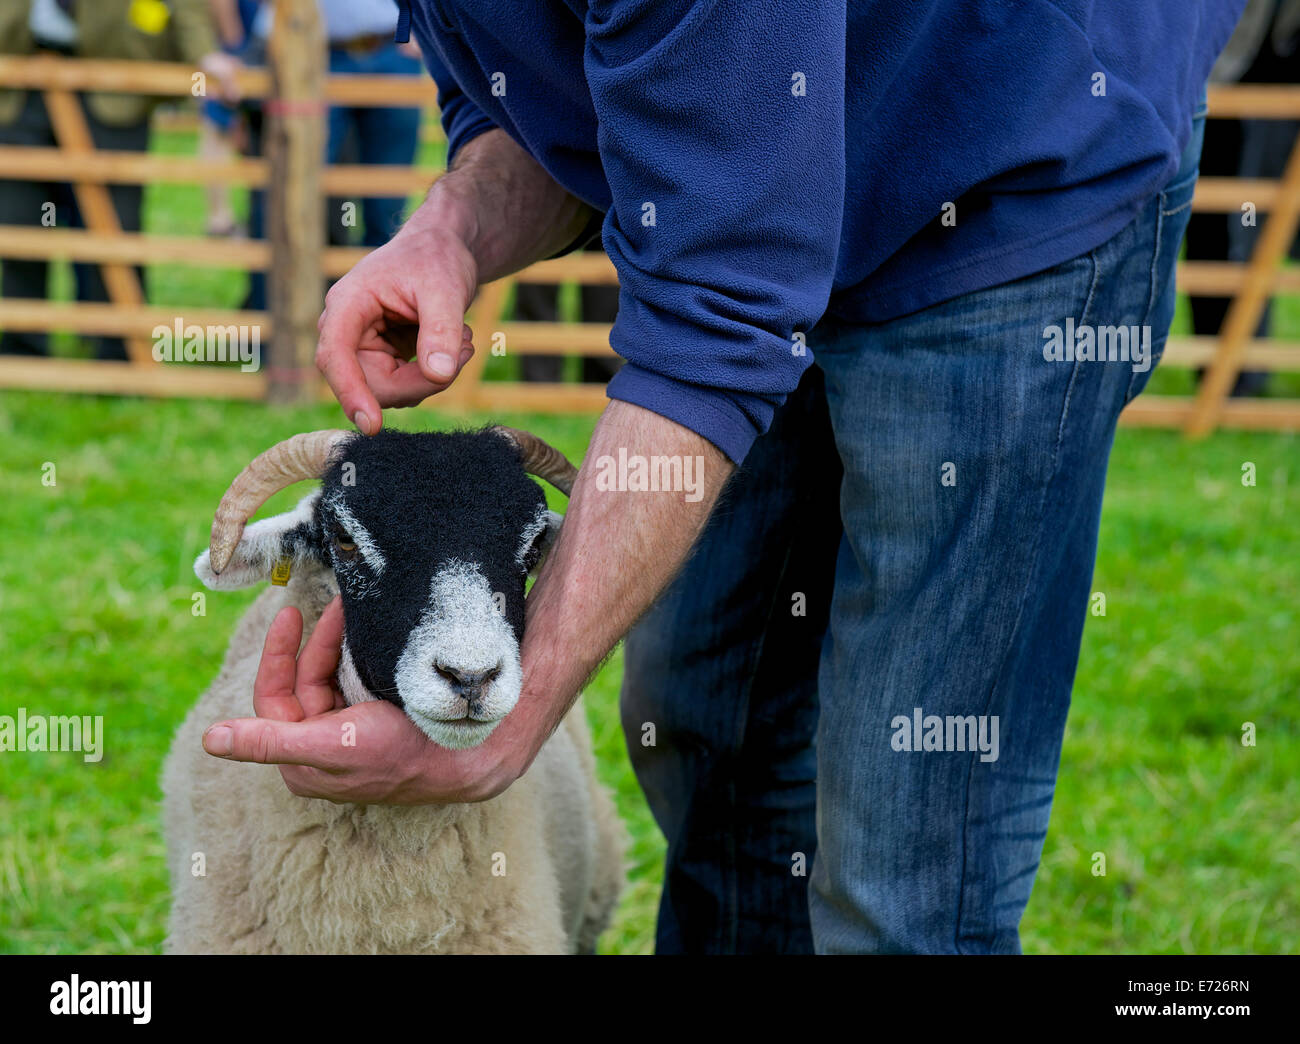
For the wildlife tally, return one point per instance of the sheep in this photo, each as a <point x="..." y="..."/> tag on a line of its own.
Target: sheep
<point x="429" y="537"/>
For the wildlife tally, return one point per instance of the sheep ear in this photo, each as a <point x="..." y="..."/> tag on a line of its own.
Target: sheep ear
<point x="267" y="545"/>
<point x="538" y="539"/>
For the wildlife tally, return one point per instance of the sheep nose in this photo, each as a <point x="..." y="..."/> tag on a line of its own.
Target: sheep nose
<point x="469" y="684"/>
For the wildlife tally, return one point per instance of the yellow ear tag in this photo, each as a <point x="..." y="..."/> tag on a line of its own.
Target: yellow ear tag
<point x="280" y="571"/>
<point x="149" y="16"/>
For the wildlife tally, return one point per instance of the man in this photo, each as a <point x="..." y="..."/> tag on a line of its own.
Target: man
<point x="929" y="200"/>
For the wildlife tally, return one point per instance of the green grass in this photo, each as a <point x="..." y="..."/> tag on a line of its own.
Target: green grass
<point x="1201" y="574"/>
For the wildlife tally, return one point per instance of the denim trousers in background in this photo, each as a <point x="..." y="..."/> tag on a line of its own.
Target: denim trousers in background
<point x="917" y="530"/>
<point x="380" y="136"/>
<point x="368" y="135"/>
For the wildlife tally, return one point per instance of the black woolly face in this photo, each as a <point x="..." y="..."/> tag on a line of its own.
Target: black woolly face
<point x="431" y="537"/>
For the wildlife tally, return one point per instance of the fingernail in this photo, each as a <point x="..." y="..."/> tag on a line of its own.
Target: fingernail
<point x="362" y="422"/>
<point x="442" y="365"/>
<point x="219" y="740"/>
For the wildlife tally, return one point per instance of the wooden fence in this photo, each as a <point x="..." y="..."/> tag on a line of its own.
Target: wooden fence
<point x="296" y="90"/>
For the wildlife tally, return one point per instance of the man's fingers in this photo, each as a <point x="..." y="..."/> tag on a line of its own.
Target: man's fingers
<point x="303" y="781"/>
<point x="342" y="326"/>
<point x="273" y="691"/>
<point x="318" y="742"/>
<point x="396" y="383"/>
<point x="319" y="660"/>
<point x="442" y="337"/>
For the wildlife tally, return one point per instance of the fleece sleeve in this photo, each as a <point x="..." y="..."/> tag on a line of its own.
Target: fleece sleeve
<point x="721" y="133"/>
<point x="462" y="120"/>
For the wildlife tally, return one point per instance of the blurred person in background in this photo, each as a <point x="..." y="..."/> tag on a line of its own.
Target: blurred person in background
<point x="539" y="303"/>
<point x="1263" y="49"/>
<point x="361" y="44"/>
<point x="360" y="35"/>
<point x="223" y="133"/>
<point x="142" y="30"/>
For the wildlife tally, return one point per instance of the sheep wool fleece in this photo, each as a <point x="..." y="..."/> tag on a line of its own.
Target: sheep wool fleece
<point x="255" y="869"/>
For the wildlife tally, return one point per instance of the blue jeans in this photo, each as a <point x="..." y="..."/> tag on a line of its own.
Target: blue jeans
<point x="912" y="542"/>
<point x="385" y="137"/>
<point x="380" y="136"/>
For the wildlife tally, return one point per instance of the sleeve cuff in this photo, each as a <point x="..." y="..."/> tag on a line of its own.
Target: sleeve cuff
<point x="463" y="132"/>
<point x="708" y="412"/>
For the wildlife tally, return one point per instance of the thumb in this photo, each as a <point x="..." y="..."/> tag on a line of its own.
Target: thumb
<point x="314" y="742"/>
<point x="442" y="339"/>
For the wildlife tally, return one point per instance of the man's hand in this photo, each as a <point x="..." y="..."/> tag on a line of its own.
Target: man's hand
<point x="393" y="332"/>
<point x="368" y="754"/>
<point x="225" y="69"/>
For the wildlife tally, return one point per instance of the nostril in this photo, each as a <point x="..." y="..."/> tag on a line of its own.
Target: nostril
<point x="449" y="675"/>
<point x="466" y="682"/>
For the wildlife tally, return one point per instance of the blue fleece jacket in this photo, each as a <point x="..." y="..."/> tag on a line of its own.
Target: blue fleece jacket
<point x="762" y="164"/>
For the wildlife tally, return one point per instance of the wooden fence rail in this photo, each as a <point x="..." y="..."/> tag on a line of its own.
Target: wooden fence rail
<point x="298" y="261"/>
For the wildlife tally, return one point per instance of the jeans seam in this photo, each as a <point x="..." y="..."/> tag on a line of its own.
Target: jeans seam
<point x="1155" y="255"/>
<point x="1154" y="361"/>
<point x="738" y="739"/>
<point x="1024" y="597"/>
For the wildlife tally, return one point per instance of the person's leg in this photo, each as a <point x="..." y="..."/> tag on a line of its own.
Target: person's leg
<point x="974" y="470"/>
<point x="719" y="701"/>
<point x="1207" y="236"/>
<point x="344" y="217"/>
<point x="127" y="201"/>
<point x="255" y="300"/>
<point x="216" y="134"/>
<point x="387" y="137"/>
<point x="25" y="203"/>
<point x="538" y="303"/>
<point x="599" y="305"/>
<point x="253" y="55"/>
<point x="1265" y="148"/>
<point x="341" y="146"/>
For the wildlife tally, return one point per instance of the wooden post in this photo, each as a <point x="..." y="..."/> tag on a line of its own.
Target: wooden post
<point x="73" y="135"/>
<point x="1246" y="308"/>
<point x="295" y="149"/>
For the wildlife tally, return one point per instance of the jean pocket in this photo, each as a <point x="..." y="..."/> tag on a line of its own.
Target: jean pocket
<point x="1174" y="210"/>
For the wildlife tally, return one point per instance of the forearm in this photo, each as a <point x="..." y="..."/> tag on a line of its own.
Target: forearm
<point x="615" y="553"/>
<point x="502" y="205"/>
<point x="225" y="16"/>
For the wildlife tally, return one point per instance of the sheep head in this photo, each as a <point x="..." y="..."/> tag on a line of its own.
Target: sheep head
<point x="429" y="538"/>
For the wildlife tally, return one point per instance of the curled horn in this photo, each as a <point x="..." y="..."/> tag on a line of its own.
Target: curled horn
<point x="541" y="459"/>
<point x="303" y="456"/>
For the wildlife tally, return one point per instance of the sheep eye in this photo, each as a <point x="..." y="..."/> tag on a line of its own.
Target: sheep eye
<point x="343" y="541"/>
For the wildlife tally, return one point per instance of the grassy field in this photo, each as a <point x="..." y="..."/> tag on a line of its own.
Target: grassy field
<point x="1201" y="573"/>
